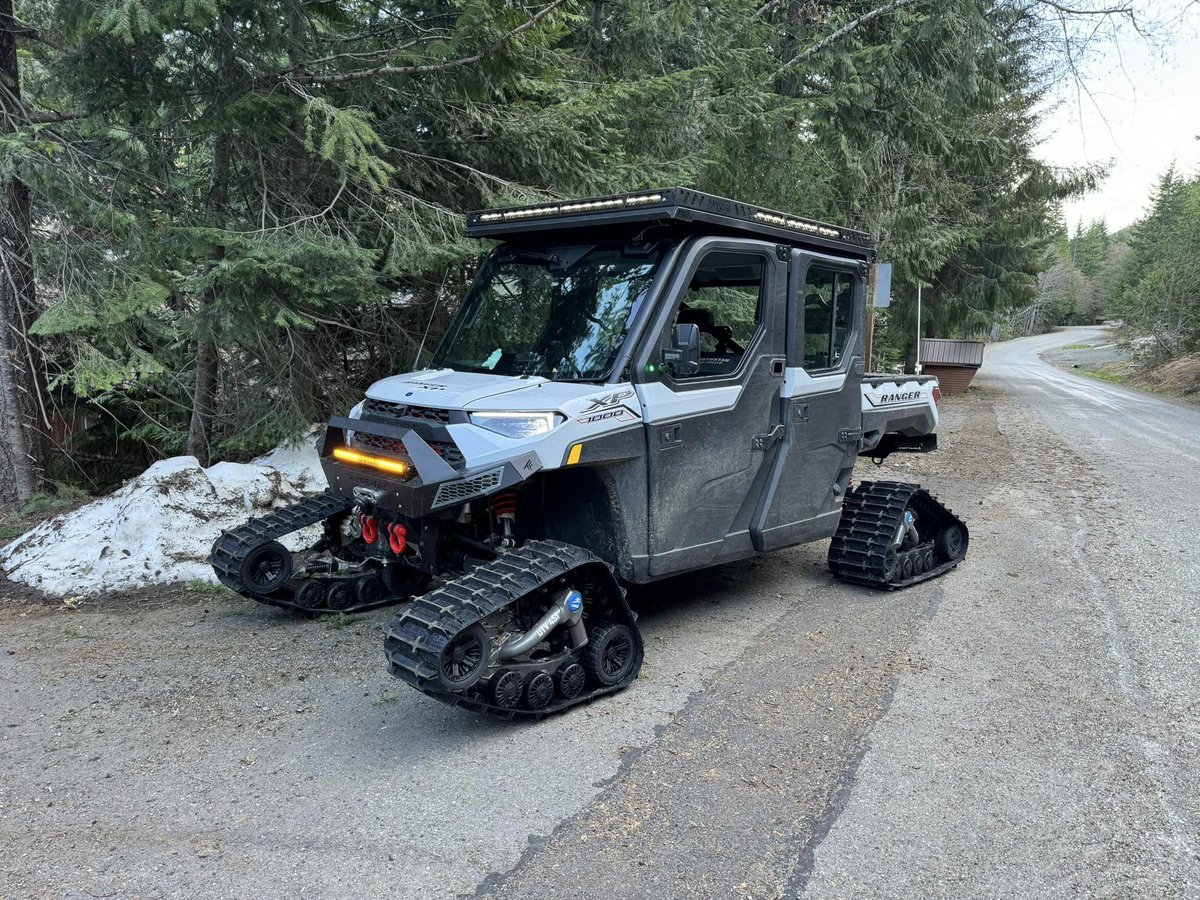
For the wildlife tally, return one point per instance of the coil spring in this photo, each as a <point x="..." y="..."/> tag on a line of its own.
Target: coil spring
<point x="505" y="505"/>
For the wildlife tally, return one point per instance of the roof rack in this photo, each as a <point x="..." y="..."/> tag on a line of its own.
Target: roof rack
<point x="682" y="207"/>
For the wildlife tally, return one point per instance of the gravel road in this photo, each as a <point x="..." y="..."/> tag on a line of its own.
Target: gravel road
<point x="1027" y="725"/>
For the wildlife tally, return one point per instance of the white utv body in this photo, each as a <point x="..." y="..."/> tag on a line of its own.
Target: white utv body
<point x="633" y="387"/>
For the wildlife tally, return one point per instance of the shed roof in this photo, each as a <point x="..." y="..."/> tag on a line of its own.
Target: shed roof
<point x="940" y="351"/>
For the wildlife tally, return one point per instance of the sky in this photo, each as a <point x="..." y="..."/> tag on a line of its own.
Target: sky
<point x="1140" y="112"/>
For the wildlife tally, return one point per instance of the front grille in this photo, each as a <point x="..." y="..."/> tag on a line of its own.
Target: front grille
<point x="445" y="449"/>
<point x="378" y="442"/>
<point x="451" y="492"/>
<point x="403" y="414"/>
<point x="405" y="411"/>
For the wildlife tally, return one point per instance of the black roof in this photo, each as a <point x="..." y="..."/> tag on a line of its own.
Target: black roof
<point x="679" y="209"/>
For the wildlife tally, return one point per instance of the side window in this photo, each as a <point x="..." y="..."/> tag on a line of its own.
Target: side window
<point x="724" y="298"/>
<point x="828" y="317"/>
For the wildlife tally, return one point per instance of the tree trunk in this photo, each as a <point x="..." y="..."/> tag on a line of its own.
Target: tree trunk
<point x="24" y="416"/>
<point x="787" y="84"/>
<point x="208" y="359"/>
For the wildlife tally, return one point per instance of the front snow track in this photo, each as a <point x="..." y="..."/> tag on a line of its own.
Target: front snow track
<point x="235" y="548"/>
<point x="863" y="550"/>
<point x="420" y="633"/>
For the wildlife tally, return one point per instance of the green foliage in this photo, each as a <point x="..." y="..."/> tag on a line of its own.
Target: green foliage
<point x="1089" y="248"/>
<point x="348" y="139"/>
<point x="1156" y="287"/>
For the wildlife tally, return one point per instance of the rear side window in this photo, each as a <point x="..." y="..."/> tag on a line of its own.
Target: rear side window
<point x="828" y="317"/>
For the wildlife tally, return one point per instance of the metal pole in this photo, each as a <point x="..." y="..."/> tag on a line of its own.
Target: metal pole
<point x="871" y="321"/>
<point x="918" y="328"/>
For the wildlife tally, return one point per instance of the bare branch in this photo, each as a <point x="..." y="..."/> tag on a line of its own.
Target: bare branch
<point x="1072" y="11"/>
<point x="429" y="68"/>
<point x="842" y="32"/>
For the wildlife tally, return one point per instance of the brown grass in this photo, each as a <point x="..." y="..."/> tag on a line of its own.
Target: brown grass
<point x="1179" y="377"/>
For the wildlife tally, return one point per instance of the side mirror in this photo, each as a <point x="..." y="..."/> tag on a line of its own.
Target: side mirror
<point x="682" y="358"/>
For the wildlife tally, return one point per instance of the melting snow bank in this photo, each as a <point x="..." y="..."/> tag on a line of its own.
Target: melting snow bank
<point x="159" y="527"/>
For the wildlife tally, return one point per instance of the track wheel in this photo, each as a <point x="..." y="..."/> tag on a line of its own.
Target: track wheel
<point x="339" y="595"/>
<point x="506" y="691"/>
<point x="906" y="567"/>
<point x="266" y="568"/>
<point x="890" y="568"/>
<point x="311" y="594"/>
<point x="609" y="654"/>
<point x="465" y="658"/>
<point x="369" y="590"/>
<point x="950" y="543"/>
<point x="929" y="559"/>
<point x="539" y="691"/>
<point x="570" y="680"/>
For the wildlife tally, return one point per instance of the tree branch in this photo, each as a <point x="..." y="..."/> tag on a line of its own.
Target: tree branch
<point x="430" y="67"/>
<point x="1071" y="11"/>
<point x="842" y="32"/>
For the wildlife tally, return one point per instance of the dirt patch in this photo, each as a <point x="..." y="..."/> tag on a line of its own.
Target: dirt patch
<point x="1178" y="378"/>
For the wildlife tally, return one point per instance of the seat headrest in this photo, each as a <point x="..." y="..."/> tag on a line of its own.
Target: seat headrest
<point x="694" y="316"/>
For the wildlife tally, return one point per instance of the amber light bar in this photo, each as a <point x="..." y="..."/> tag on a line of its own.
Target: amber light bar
<point x="383" y="464"/>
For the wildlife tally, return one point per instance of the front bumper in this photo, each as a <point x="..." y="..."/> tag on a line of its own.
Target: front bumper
<point x="435" y="489"/>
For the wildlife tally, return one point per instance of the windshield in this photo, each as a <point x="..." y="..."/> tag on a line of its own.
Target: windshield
<point x="561" y="312"/>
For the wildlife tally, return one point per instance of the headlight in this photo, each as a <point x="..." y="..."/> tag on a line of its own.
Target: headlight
<point x="517" y="424"/>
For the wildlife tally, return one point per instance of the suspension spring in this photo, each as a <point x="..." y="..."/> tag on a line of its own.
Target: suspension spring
<point x="505" y="505"/>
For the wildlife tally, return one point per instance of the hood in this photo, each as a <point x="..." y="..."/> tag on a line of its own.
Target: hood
<point x="444" y="388"/>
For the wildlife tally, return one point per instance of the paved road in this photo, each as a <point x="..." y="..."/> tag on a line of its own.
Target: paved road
<point x="1028" y="725"/>
<point x="1117" y="427"/>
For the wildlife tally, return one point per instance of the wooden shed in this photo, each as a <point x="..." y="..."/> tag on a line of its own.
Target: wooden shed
<point x="953" y="362"/>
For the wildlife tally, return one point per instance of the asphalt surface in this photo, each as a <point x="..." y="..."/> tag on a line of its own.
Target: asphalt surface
<point x="1027" y="725"/>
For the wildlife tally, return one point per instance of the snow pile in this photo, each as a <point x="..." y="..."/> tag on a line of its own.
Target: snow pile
<point x="159" y="527"/>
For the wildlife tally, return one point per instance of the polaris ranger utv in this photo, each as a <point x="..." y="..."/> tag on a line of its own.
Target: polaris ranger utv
<point x="634" y="387"/>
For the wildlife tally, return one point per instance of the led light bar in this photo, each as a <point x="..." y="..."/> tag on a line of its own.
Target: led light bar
<point x="381" y="463"/>
<point x="798" y="224"/>
<point x="575" y="206"/>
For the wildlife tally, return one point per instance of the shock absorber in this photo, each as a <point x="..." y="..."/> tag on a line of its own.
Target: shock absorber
<point x="504" y="506"/>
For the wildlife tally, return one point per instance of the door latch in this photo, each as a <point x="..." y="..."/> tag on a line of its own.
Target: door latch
<point x="670" y="436"/>
<point x="770" y="439"/>
<point x="849" y="436"/>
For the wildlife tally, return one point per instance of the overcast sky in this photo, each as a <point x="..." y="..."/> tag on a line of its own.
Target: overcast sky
<point x="1143" y="112"/>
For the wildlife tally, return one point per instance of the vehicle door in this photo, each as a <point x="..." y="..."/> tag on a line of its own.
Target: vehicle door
<point x="712" y="432"/>
<point x="821" y="403"/>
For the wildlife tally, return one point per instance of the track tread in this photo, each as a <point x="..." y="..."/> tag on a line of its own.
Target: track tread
<point x="415" y="637"/>
<point x="870" y="516"/>
<point x="231" y="547"/>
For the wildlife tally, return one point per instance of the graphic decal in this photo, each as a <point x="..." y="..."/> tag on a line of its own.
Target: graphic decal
<point x="608" y="400"/>
<point x="616" y="414"/>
